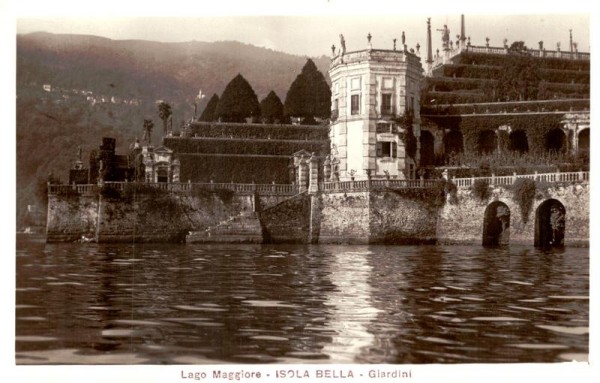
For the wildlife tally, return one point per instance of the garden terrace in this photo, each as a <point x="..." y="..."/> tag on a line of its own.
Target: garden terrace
<point x="474" y="74"/>
<point x="259" y="131"/>
<point x="210" y="145"/>
<point x="562" y="106"/>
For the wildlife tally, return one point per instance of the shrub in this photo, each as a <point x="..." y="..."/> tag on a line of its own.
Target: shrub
<point x="523" y="191"/>
<point x="481" y="189"/>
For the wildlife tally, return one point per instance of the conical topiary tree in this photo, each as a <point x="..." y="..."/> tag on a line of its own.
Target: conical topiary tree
<point x="238" y="101"/>
<point x="271" y="108"/>
<point x="309" y="95"/>
<point x="210" y="112"/>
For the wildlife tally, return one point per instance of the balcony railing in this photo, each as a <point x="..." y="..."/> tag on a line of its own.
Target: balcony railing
<point x="509" y="180"/>
<point x="177" y="187"/>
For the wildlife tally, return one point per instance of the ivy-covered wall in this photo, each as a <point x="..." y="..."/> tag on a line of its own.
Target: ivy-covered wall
<point x="462" y="222"/>
<point x="535" y="127"/>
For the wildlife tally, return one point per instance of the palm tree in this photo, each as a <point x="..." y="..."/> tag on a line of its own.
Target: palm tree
<point x="164" y="112"/>
<point x="148" y="125"/>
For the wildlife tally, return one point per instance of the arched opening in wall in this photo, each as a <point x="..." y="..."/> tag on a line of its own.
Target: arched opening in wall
<point x="555" y="141"/>
<point x="550" y="224"/>
<point x="453" y="144"/>
<point x="496" y="225"/>
<point x="162" y="175"/>
<point x="583" y="139"/>
<point x="487" y="142"/>
<point x="427" y="149"/>
<point x="518" y="141"/>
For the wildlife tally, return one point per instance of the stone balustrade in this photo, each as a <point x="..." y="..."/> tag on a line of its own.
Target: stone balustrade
<point x="509" y="180"/>
<point x="262" y="189"/>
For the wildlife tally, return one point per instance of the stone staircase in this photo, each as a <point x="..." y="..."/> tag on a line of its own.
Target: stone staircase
<point x="242" y="228"/>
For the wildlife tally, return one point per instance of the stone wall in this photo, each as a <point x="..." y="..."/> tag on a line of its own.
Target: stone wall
<point x="288" y="221"/>
<point x="399" y="219"/>
<point x="344" y="218"/>
<point x="462" y="222"/>
<point x="145" y="216"/>
<point x="71" y="217"/>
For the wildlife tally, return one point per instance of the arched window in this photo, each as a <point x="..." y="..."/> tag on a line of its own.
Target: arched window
<point x="518" y="141"/>
<point x="487" y="142"/>
<point x="427" y="149"/>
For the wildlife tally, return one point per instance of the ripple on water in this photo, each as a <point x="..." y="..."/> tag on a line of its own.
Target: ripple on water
<point x="499" y="319"/>
<point x="257" y="303"/>
<point x="566" y="330"/>
<point x="434" y="339"/>
<point x="198" y="308"/>
<point x="520" y="283"/>
<point x="270" y="337"/>
<point x="538" y="346"/>
<point x="134" y="322"/>
<point x="35" y="338"/>
<point x="569" y="297"/>
<point x="118" y="333"/>
<point x="32" y="319"/>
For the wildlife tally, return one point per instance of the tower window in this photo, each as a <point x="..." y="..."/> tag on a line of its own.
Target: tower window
<point x="386" y="149"/>
<point x="386" y="104"/>
<point x="355" y="104"/>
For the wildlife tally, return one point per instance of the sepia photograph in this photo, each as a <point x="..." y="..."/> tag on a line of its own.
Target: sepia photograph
<point x="270" y="193"/>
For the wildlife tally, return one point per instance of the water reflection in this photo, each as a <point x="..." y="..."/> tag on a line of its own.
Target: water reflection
<point x="169" y="304"/>
<point x="350" y="307"/>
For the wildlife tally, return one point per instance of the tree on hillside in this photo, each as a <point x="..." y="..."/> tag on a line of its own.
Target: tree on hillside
<point x="238" y="101"/>
<point x="210" y="111"/>
<point x="271" y="108"/>
<point x="164" y="112"/>
<point x="309" y="95"/>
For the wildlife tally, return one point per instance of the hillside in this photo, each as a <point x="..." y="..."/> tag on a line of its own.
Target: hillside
<point x="102" y="87"/>
<point x="152" y="70"/>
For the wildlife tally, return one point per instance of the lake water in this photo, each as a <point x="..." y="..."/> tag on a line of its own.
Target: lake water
<point x="196" y="304"/>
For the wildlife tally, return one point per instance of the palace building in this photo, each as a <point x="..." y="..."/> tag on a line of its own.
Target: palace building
<point x="370" y="89"/>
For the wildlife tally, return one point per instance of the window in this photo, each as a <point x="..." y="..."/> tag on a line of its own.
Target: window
<point x="355" y="104"/>
<point x="386" y="104"/>
<point x="386" y="149"/>
<point x="334" y="112"/>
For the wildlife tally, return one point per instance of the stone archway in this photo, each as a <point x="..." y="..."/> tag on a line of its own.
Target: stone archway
<point x="518" y="141"/>
<point x="453" y="144"/>
<point x="427" y="148"/>
<point x="162" y="174"/>
<point x="555" y="141"/>
<point x="496" y="225"/>
<point x="487" y="142"/>
<point x="583" y="140"/>
<point x="550" y="224"/>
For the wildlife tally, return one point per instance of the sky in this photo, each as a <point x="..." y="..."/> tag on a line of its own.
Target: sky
<point x="312" y="31"/>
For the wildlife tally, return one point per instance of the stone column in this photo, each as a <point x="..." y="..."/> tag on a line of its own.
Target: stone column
<point x="313" y="174"/>
<point x="302" y="175"/>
